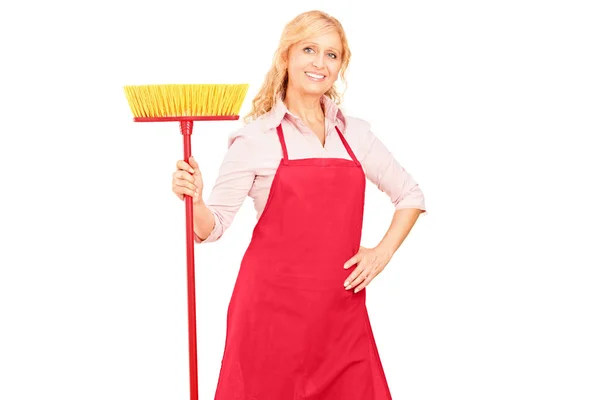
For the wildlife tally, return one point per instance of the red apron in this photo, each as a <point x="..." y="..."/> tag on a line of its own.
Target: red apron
<point x="293" y="331"/>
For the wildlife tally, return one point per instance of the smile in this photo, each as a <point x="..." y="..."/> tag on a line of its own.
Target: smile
<point x="315" y="77"/>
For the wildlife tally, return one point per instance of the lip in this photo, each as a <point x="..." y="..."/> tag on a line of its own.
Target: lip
<point x="316" y="73"/>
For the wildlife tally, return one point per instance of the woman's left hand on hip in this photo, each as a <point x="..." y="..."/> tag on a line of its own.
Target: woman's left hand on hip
<point x="370" y="262"/>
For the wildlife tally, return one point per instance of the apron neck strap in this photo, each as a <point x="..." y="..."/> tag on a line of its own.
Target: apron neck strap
<point x="347" y="146"/>
<point x="282" y="141"/>
<point x="344" y="142"/>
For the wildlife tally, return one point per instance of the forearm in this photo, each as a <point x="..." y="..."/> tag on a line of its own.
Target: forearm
<point x="402" y="222"/>
<point x="204" y="220"/>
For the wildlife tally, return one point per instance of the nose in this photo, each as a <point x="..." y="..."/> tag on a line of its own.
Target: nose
<point x="318" y="61"/>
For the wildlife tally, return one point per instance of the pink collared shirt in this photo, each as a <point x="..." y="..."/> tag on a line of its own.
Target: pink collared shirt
<point x="254" y="153"/>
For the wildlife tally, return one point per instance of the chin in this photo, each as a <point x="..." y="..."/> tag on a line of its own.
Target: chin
<point x="316" y="89"/>
<point x="314" y="92"/>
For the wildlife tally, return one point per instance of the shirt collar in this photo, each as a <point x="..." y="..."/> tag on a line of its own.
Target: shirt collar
<point x="279" y="111"/>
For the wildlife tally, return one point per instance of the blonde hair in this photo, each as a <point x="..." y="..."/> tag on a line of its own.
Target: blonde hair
<point x="305" y="25"/>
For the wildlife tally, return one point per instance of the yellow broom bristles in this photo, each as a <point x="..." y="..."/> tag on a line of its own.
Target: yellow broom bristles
<point x="176" y="100"/>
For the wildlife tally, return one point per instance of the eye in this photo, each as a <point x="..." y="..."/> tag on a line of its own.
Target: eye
<point x="308" y="48"/>
<point x="333" y="55"/>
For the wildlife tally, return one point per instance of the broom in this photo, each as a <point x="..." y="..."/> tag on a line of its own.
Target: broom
<point x="186" y="103"/>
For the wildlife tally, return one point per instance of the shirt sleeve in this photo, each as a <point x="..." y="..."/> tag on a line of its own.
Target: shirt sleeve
<point x="234" y="181"/>
<point x="382" y="169"/>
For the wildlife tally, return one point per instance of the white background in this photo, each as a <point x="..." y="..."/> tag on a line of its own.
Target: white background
<point x="491" y="106"/>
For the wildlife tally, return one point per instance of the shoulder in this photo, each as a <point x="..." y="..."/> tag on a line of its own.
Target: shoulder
<point x="356" y="130"/>
<point x="250" y="132"/>
<point x="359" y="135"/>
<point x="355" y="125"/>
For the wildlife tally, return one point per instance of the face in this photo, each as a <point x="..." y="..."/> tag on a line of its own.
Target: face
<point x="314" y="63"/>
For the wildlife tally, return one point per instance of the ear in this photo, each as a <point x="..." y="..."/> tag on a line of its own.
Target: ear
<point x="285" y="56"/>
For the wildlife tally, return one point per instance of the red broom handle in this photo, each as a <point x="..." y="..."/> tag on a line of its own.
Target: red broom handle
<point x="186" y="131"/>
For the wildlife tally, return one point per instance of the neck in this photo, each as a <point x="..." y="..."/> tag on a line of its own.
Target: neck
<point x="307" y="108"/>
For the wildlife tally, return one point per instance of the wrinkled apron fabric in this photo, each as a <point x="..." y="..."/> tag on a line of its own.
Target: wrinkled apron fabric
<point x="293" y="331"/>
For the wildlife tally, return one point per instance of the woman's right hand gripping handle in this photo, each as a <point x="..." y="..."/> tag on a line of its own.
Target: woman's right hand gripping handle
<point x="187" y="180"/>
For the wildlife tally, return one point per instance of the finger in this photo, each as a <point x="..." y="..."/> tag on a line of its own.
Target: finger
<point x="354" y="260"/>
<point x="176" y="191"/>
<point x="193" y="163"/>
<point x="182" y="165"/>
<point x="180" y="191"/>
<point x="353" y="277"/>
<point x="191" y="193"/>
<point x="183" y="175"/>
<point x="354" y="273"/>
<point x="364" y="283"/>
<point x="358" y="279"/>
<point x="185" y="187"/>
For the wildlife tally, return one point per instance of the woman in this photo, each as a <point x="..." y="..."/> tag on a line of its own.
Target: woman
<point x="297" y="325"/>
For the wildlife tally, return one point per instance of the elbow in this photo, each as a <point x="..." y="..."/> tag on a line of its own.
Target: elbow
<point x="412" y="198"/>
<point x="215" y="234"/>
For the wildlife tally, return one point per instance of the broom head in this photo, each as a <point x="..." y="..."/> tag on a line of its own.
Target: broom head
<point x="185" y="102"/>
